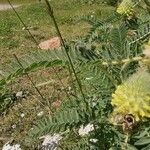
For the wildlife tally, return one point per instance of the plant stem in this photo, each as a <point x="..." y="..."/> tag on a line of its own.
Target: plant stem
<point x="126" y="61"/>
<point x="22" y="22"/>
<point x="35" y="41"/>
<point x="65" y="47"/>
<point x="33" y="84"/>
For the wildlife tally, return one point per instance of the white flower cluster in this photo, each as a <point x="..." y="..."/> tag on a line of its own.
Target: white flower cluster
<point x="8" y="146"/>
<point x="93" y="140"/>
<point x="85" y="130"/>
<point x="51" y="142"/>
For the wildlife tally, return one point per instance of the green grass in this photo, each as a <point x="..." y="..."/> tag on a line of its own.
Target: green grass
<point x="17" y="1"/>
<point x="13" y="39"/>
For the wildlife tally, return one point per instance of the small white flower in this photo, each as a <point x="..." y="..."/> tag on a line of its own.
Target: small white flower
<point x="94" y="140"/>
<point x="7" y="146"/>
<point x="69" y="88"/>
<point x="92" y="16"/>
<point x="51" y="142"/>
<point x="85" y="130"/>
<point x="94" y="104"/>
<point x="40" y="114"/>
<point x="22" y="115"/>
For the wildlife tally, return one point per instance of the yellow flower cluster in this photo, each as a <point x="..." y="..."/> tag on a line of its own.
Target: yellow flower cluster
<point x="133" y="97"/>
<point x="126" y="8"/>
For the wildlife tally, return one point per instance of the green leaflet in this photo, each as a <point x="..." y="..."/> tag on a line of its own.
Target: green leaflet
<point x="142" y="141"/>
<point x="146" y="148"/>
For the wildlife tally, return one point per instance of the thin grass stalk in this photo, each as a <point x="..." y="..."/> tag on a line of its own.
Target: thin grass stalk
<point x="22" y="22"/>
<point x="35" y="41"/>
<point x="33" y="84"/>
<point x="50" y="10"/>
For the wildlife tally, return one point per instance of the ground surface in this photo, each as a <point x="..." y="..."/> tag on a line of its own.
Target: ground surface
<point x="14" y="39"/>
<point x="7" y="6"/>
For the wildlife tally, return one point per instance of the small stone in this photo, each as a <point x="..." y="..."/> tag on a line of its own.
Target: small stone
<point x="19" y="94"/>
<point x="40" y="114"/>
<point x="57" y="103"/>
<point x="14" y="126"/>
<point x="22" y="115"/>
<point x="52" y="43"/>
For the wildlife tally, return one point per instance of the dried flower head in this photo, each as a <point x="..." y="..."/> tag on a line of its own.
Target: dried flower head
<point x="85" y="130"/>
<point x="51" y="142"/>
<point x="9" y="146"/>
